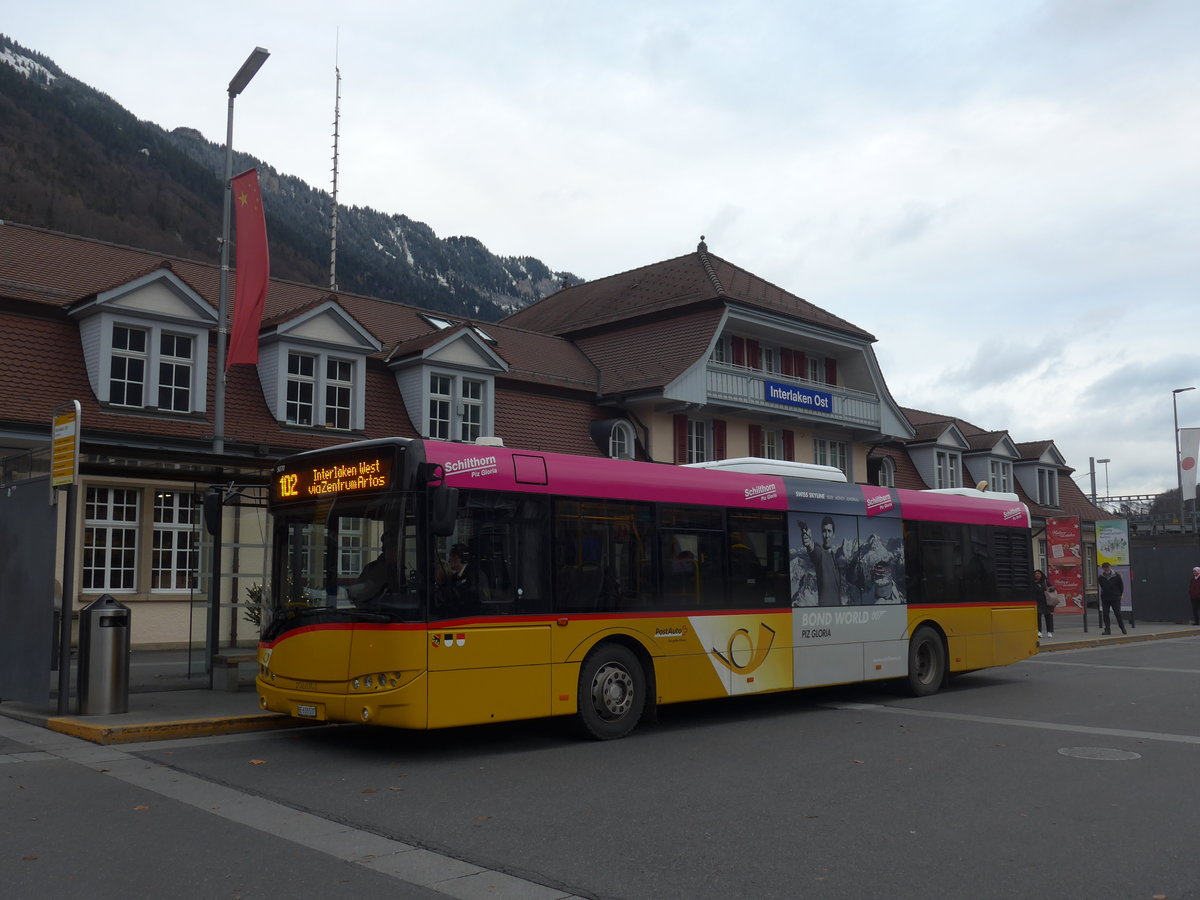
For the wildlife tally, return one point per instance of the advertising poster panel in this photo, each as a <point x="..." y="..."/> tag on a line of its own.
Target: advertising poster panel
<point x="1112" y="547"/>
<point x="1064" y="556"/>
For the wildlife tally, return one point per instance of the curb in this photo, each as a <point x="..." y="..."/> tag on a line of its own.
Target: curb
<point x="1102" y="641"/>
<point x="171" y="730"/>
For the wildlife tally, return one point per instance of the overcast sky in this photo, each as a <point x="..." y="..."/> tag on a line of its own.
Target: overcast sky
<point x="1004" y="193"/>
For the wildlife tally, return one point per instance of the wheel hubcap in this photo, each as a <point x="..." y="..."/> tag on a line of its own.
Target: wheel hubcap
<point x="612" y="691"/>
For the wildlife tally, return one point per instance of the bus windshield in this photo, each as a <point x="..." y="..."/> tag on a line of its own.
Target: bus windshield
<point x="347" y="560"/>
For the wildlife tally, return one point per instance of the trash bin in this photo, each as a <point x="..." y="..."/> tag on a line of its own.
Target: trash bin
<point x="103" y="658"/>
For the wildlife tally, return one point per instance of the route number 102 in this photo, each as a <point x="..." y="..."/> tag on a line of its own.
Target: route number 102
<point x="287" y="485"/>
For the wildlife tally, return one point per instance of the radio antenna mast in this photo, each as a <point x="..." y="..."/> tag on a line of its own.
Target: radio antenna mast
<point x="333" y="211"/>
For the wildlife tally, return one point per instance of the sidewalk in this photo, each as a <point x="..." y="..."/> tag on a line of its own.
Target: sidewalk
<point x="165" y="702"/>
<point x="1069" y="632"/>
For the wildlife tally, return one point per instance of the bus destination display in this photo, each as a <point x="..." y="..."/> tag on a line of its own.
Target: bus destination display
<point x="351" y="474"/>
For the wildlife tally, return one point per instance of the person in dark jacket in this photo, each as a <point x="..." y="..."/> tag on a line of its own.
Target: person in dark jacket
<point x="1112" y="589"/>
<point x="1043" y="597"/>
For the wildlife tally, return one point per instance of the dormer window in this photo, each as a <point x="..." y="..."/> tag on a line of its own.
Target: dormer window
<point x="1047" y="486"/>
<point x="313" y="369"/>
<point x="886" y="475"/>
<point x="320" y="388"/>
<point x="151" y="368"/>
<point x="145" y="342"/>
<point x="456" y="407"/>
<point x="620" y="441"/>
<point x="1000" y="475"/>
<point x="946" y="468"/>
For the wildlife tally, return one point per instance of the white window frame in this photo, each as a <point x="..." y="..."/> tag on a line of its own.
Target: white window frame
<point x="470" y="425"/>
<point x="768" y="358"/>
<point x="828" y="452"/>
<point x="336" y="385"/>
<point x="440" y="409"/>
<point x="461" y="406"/>
<point x="124" y="358"/>
<point x="353" y="552"/>
<point x="175" y="550"/>
<point x="816" y="369"/>
<point x="152" y="359"/>
<point x="886" y="476"/>
<point x="1000" y="475"/>
<point x="720" y="353"/>
<point x="112" y="517"/>
<point x="699" y="441"/>
<point x="947" y="466"/>
<point x="772" y="443"/>
<point x="322" y="383"/>
<point x="1047" y="482"/>
<point x="621" y="441"/>
<point x="177" y="365"/>
<point x="300" y="380"/>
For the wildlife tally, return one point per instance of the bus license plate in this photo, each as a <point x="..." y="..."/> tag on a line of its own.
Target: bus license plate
<point x="306" y="711"/>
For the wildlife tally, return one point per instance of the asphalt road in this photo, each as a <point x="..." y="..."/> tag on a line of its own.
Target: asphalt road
<point x="1071" y="775"/>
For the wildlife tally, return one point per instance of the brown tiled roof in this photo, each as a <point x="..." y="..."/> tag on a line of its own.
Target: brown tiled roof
<point x="44" y="367"/>
<point x="1033" y="449"/>
<point x="548" y="422"/>
<point x="1073" y="502"/>
<point x="984" y="440"/>
<point x="652" y="354"/>
<point x="691" y="279"/>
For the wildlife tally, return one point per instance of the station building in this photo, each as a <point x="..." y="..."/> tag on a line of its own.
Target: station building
<point x="686" y="360"/>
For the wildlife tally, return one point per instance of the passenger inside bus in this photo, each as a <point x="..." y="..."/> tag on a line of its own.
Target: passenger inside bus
<point x="459" y="589"/>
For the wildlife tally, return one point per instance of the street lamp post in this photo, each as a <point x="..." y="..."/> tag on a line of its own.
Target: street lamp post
<point x="248" y="70"/>
<point x="1105" y="462"/>
<point x="1178" y="472"/>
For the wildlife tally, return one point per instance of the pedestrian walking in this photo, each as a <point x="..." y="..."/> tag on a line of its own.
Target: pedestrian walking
<point x="1112" y="589"/>
<point x="1194" y="594"/>
<point x="1045" y="600"/>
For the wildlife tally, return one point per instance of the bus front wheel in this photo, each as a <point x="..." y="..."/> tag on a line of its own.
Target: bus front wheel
<point x="926" y="662"/>
<point x="612" y="692"/>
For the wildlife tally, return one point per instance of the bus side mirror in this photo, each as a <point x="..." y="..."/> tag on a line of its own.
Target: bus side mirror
<point x="443" y="510"/>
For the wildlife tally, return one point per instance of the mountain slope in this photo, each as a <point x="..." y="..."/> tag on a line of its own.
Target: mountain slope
<point x="73" y="160"/>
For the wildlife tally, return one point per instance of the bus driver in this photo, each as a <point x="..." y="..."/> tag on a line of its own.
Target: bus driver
<point x="377" y="576"/>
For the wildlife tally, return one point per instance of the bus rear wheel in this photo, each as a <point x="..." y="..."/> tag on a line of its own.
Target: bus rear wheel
<point x="926" y="662"/>
<point x="612" y="692"/>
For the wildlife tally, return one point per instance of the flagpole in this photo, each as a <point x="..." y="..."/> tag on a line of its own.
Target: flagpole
<point x="248" y="70"/>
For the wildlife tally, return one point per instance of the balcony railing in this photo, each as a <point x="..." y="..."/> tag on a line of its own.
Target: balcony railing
<point x="747" y="388"/>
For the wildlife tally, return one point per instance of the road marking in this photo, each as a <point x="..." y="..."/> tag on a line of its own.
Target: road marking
<point x="406" y="862"/>
<point x="1056" y="662"/>
<point x="1020" y="723"/>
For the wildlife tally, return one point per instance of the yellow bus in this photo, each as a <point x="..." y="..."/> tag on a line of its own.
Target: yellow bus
<point x="423" y="584"/>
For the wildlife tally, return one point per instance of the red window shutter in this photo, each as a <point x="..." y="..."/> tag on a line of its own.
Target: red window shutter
<point x="739" y="350"/>
<point x="801" y="365"/>
<point x="719" y="439"/>
<point x="753" y="354"/>
<point x="756" y="442"/>
<point x="681" y="429"/>
<point x="831" y="371"/>
<point x="789" y="446"/>
<point x="785" y="361"/>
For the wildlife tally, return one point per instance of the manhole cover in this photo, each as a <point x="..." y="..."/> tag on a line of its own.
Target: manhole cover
<point x="1098" y="753"/>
